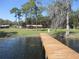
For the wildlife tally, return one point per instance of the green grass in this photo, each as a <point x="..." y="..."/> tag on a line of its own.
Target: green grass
<point x="24" y="32"/>
<point x="74" y="33"/>
<point x="33" y="32"/>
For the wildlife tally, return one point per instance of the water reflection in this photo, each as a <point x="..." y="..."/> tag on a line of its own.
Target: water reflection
<point x="74" y="44"/>
<point x="21" y="48"/>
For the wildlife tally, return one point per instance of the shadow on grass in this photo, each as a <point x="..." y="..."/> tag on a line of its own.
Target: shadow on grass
<point x="7" y="34"/>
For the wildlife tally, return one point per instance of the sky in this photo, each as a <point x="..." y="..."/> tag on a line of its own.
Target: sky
<point x="7" y="5"/>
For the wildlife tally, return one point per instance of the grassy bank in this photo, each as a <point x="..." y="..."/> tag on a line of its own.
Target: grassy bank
<point x="31" y="32"/>
<point x="21" y="32"/>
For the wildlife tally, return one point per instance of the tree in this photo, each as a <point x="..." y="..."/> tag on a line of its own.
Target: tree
<point x="37" y="9"/>
<point x="57" y="14"/>
<point x="60" y="11"/>
<point x="32" y="10"/>
<point x="5" y="22"/>
<point x="74" y="19"/>
<point x="68" y="10"/>
<point x="25" y="9"/>
<point x="14" y="11"/>
<point x="17" y="13"/>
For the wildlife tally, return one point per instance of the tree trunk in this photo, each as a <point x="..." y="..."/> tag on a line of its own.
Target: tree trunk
<point x="67" y="25"/>
<point x="17" y="22"/>
<point x="36" y="22"/>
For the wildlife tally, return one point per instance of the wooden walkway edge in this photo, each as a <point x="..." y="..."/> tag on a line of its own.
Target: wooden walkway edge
<point x="56" y="50"/>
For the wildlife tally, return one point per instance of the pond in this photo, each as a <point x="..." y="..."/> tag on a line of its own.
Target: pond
<point x="73" y="43"/>
<point x="21" y="48"/>
<point x="70" y="41"/>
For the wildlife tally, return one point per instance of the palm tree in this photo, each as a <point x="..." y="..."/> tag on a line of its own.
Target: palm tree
<point x="17" y="13"/>
<point x="25" y="9"/>
<point x="14" y="11"/>
<point x="31" y="9"/>
<point x="35" y="9"/>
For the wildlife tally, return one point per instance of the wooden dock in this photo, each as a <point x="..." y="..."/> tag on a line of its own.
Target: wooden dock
<point x="56" y="50"/>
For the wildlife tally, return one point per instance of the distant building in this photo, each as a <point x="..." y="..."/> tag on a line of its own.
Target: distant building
<point x="34" y="26"/>
<point x="4" y="26"/>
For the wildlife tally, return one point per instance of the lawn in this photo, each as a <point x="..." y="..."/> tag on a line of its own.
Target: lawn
<point x="31" y="32"/>
<point x="22" y="32"/>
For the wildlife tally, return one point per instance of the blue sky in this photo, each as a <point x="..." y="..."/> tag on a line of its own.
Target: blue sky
<point x="6" y="5"/>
